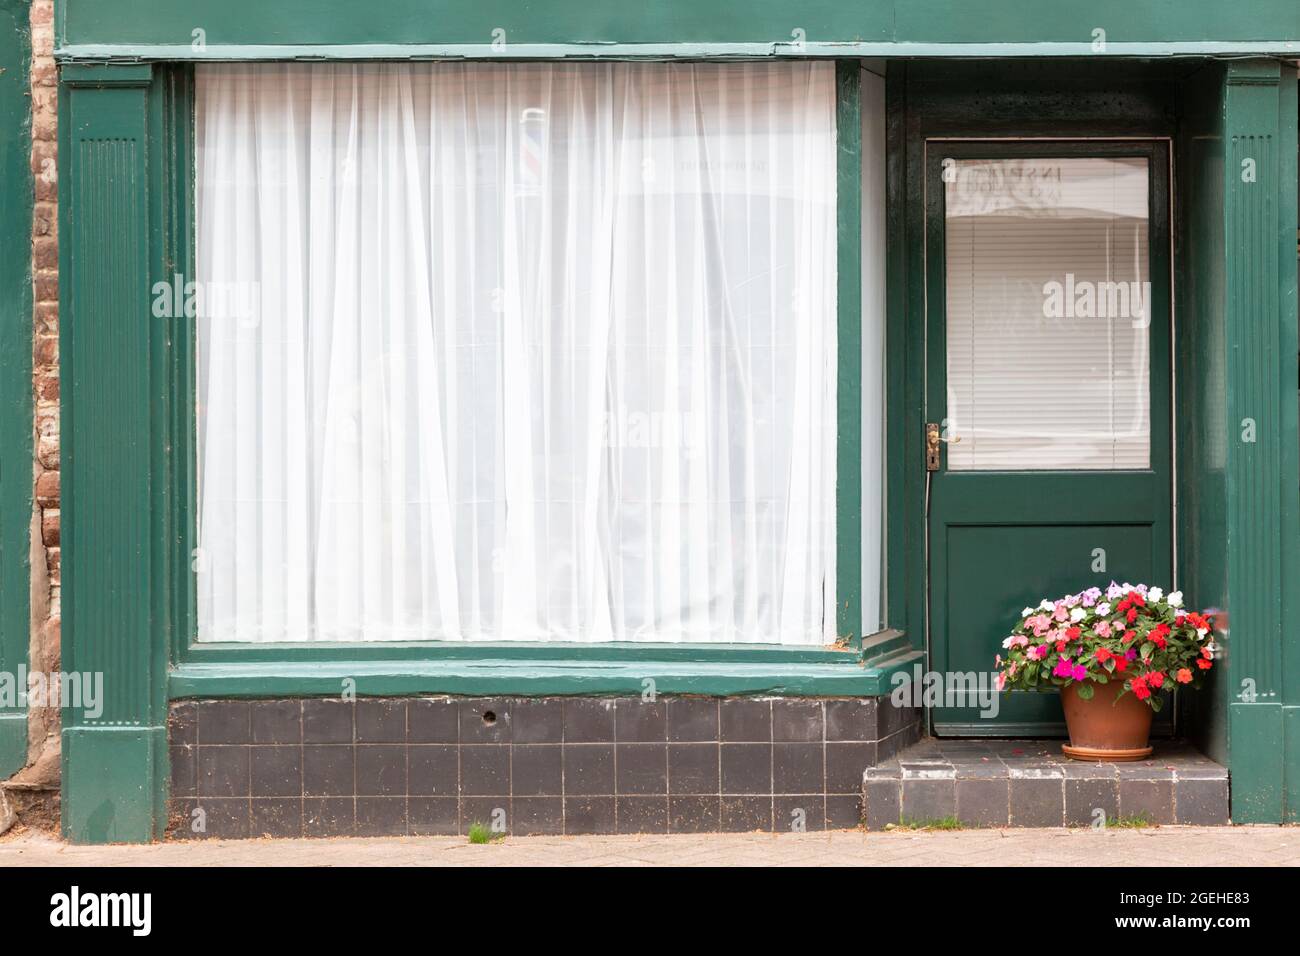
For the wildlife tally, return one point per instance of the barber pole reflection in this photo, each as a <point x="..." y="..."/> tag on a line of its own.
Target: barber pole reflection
<point x="532" y="151"/>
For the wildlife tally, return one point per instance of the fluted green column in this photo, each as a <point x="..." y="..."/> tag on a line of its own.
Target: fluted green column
<point x="1262" y="467"/>
<point x="114" y="761"/>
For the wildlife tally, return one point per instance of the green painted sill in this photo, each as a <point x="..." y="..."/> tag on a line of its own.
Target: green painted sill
<point x="727" y="671"/>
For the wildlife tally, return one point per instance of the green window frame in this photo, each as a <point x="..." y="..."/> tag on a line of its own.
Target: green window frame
<point x="227" y="669"/>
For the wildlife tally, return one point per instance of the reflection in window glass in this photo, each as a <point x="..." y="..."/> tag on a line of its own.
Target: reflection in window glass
<point x="1048" y="314"/>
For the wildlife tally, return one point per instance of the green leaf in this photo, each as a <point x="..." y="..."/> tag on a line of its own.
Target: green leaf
<point x="1101" y="678"/>
<point x="1156" y="702"/>
<point x="1086" y="691"/>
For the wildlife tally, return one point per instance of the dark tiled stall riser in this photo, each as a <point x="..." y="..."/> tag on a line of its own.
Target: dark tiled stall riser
<point x="997" y="783"/>
<point x="319" y="767"/>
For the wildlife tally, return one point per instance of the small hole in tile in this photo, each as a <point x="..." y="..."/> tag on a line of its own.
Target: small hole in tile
<point x="489" y="717"/>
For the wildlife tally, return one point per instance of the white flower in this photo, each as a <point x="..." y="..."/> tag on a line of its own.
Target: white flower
<point x="1026" y="612"/>
<point x="1078" y="614"/>
<point x="1155" y="594"/>
<point x="1175" y="598"/>
<point x="1047" y="605"/>
<point x="1103" y="609"/>
<point x="1201" y="632"/>
<point x="1213" y="649"/>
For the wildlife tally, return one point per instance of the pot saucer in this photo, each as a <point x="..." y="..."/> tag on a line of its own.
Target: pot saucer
<point x="1107" y="756"/>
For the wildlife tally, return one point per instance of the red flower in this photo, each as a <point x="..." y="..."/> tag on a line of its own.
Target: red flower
<point x="1132" y="615"/>
<point x="1158" y="641"/>
<point x="1140" y="689"/>
<point x="1137" y="598"/>
<point x="1121" y="664"/>
<point x="1129" y="635"/>
<point x="1103" y="655"/>
<point x="1060" y="647"/>
<point x="1207" y="653"/>
<point x="1184" y="676"/>
<point x="1073" y="633"/>
<point x="1203" y="664"/>
<point x="1156" y="679"/>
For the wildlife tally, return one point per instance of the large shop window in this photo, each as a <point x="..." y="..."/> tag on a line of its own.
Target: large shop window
<point x="517" y="352"/>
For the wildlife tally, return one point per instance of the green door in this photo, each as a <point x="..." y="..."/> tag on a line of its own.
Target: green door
<point x="1048" y="378"/>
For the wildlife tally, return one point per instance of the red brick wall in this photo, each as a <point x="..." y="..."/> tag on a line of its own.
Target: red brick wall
<point x="43" y="728"/>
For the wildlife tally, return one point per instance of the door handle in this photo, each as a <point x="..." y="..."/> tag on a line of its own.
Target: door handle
<point x="932" y="440"/>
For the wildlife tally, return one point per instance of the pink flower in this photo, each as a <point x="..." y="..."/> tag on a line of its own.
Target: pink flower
<point x="1002" y="681"/>
<point x="1039" y="623"/>
<point x="1102" y="629"/>
<point x="1062" y="668"/>
<point x="1080" y="672"/>
<point x="1061" y="612"/>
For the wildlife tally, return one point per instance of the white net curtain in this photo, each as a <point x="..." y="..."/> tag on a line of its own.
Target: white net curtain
<point x="516" y="352"/>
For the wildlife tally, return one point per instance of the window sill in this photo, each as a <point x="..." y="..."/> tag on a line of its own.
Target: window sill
<point x="720" y="671"/>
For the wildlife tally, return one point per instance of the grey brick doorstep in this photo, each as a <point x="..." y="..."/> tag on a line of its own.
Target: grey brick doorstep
<point x="1031" y="784"/>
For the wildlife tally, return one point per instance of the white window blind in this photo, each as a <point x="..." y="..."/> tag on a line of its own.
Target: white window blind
<point x="517" y="352"/>
<point x="1048" y="314"/>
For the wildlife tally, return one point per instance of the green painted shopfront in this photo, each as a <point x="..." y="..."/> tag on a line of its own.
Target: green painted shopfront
<point x="640" y="418"/>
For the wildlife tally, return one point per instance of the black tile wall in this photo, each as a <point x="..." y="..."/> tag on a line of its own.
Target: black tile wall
<point x="375" y="767"/>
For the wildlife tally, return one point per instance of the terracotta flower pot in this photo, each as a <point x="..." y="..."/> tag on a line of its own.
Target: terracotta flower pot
<point x="1106" y="727"/>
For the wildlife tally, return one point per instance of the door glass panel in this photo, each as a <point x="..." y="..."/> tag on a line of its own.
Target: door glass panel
<point x="1048" y="314"/>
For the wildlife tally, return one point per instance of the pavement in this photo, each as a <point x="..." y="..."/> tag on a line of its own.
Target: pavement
<point x="1169" y="845"/>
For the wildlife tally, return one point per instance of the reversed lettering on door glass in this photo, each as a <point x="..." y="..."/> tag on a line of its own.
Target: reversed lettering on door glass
<point x="1048" y="314"/>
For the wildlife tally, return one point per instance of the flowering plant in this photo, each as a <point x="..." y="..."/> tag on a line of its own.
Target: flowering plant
<point x="1130" y="633"/>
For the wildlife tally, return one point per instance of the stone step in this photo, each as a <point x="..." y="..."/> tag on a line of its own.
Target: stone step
<point x="1030" y="783"/>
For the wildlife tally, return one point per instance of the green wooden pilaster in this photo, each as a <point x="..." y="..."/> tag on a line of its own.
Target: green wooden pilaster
<point x="114" y="762"/>
<point x="1259" y="109"/>
<point x="16" y="199"/>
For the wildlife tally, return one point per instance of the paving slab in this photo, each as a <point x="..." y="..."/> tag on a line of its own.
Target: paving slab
<point x="1171" y="845"/>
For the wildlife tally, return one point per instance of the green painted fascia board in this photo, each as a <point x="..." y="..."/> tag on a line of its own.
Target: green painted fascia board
<point x="16" y="426"/>
<point x="823" y="27"/>
<point x="95" y="52"/>
<point x="535" y="678"/>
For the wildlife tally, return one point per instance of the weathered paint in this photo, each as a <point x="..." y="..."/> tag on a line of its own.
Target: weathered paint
<point x="239" y="28"/>
<point x="16" y="199"/>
